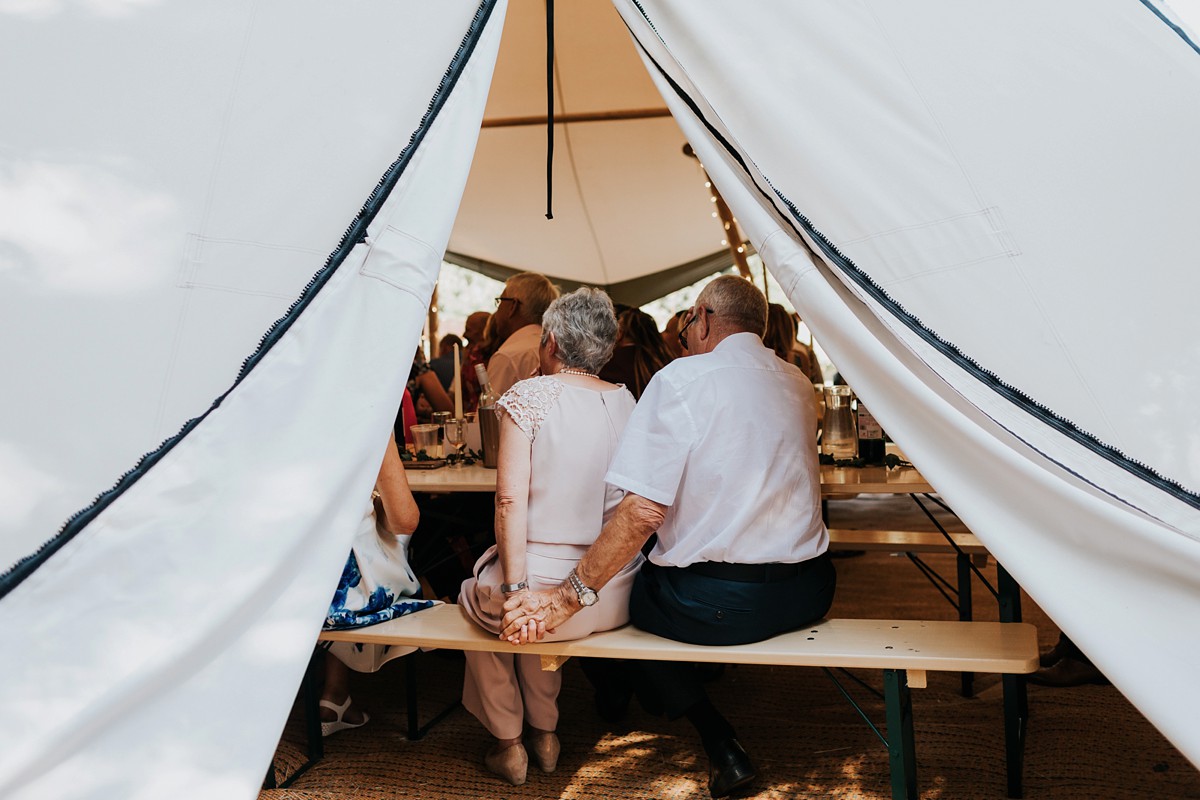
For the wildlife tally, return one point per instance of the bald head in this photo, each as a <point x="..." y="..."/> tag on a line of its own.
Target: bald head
<point x="738" y="306"/>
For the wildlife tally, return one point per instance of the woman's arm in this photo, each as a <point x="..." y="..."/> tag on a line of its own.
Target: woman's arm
<point x="397" y="510"/>
<point x="512" y="499"/>
<point x="431" y="389"/>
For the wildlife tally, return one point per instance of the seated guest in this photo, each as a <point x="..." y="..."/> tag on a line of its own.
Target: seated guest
<point x="670" y="334"/>
<point x="377" y="584"/>
<point x="720" y="458"/>
<point x="517" y="325"/>
<point x="640" y="352"/>
<point x="557" y="432"/>
<point x="780" y="336"/>
<point x="443" y="365"/>
<point x="425" y="389"/>
<point x="474" y="332"/>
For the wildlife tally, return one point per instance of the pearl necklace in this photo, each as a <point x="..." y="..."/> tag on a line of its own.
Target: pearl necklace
<point x="576" y="372"/>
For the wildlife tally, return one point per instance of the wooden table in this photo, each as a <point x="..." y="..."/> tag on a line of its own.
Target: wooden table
<point x="835" y="481"/>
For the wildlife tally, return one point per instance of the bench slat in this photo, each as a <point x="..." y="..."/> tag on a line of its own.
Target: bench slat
<point x="903" y="541"/>
<point x="885" y="644"/>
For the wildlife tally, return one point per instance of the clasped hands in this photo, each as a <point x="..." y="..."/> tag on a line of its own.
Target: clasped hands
<point x="529" y="615"/>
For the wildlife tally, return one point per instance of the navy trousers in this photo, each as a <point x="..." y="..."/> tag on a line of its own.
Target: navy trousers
<point x="678" y="604"/>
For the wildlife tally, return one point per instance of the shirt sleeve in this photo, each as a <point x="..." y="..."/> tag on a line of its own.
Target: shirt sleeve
<point x="656" y="444"/>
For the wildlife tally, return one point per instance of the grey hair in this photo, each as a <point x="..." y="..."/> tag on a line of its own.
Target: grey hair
<point x="738" y="300"/>
<point x="584" y="326"/>
<point x="535" y="291"/>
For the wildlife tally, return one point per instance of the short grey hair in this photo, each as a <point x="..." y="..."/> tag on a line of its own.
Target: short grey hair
<point x="585" y="328"/>
<point x="535" y="291"/>
<point x="738" y="300"/>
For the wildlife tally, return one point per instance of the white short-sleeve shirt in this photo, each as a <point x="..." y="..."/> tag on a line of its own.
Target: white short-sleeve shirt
<point x="727" y="441"/>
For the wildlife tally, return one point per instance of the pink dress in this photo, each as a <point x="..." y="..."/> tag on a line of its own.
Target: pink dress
<point x="574" y="432"/>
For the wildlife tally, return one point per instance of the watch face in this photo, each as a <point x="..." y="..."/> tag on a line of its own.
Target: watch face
<point x="588" y="597"/>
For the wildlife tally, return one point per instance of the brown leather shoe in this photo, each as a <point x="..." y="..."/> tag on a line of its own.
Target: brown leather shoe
<point x="1069" y="672"/>
<point x="511" y="763"/>
<point x="545" y="747"/>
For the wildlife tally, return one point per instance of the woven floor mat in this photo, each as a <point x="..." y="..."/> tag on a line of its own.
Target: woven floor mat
<point x="1084" y="743"/>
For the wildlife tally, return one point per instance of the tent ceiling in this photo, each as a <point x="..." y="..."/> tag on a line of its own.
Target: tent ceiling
<point x="627" y="202"/>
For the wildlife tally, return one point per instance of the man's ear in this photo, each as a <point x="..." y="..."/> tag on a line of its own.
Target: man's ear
<point x="702" y="324"/>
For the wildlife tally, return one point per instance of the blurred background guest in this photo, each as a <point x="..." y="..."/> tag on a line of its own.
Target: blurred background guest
<point x="473" y="332"/>
<point x="640" y="353"/>
<point x="670" y="334"/>
<point x="780" y="336"/>
<point x="443" y="365"/>
<point x="426" y="394"/>
<point x="517" y="325"/>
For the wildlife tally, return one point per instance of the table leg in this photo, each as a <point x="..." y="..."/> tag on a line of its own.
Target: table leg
<point x="902" y="757"/>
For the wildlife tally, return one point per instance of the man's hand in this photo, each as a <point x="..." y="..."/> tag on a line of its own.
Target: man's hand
<point x="529" y="616"/>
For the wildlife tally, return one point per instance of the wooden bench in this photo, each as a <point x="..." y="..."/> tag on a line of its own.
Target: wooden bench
<point x="904" y="649"/>
<point x="905" y="542"/>
<point x="970" y="555"/>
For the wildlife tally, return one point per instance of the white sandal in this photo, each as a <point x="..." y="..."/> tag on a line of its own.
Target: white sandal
<point x="339" y="724"/>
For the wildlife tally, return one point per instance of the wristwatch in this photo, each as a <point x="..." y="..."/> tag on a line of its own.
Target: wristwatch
<point x="509" y="588"/>
<point x="586" y="594"/>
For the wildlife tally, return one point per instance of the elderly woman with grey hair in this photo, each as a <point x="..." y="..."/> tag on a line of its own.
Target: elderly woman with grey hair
<point x="558" y="432"/>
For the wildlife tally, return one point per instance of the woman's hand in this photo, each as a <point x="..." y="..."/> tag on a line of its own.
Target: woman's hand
<point x="529" y="616"/>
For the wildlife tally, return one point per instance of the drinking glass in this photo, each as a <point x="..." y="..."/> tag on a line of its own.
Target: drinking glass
<point x="456" y="436"/>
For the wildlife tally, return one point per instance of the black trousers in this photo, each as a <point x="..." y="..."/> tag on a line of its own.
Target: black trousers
<point x="679" y="604"/>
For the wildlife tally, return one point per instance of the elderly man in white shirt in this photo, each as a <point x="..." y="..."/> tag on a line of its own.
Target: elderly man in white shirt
<point x="719" y="458"/>
<point x="518" y="323"/>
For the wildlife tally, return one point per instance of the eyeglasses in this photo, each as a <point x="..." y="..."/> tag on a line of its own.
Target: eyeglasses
<point x="688" y="324"/>
<point x="512" y="300"/>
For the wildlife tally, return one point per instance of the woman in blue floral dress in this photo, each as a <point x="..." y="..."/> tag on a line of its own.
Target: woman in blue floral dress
<point x="377" y="584"/>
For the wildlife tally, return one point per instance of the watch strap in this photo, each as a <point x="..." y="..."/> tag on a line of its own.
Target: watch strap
<point x="509" y="588"/>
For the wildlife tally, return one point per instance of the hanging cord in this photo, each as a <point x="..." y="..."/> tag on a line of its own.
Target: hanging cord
<point x="549" y="109"/>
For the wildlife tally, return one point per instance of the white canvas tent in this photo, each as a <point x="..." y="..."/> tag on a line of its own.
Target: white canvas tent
<point x="984" y="212"/>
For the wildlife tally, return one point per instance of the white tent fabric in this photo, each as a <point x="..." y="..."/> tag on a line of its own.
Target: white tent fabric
<point x="1000" y="263"/>
<point x="984" y="211"/>
<point x="155" y="648"/>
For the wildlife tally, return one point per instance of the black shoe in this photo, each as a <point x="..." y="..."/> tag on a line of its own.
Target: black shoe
<point x="612" y="702"/>
<point x="729" y="768"/>
<point x="1069" y="672"/>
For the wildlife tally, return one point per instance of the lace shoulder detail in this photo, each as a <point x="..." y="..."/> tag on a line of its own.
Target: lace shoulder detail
<point x="529" y="401"/>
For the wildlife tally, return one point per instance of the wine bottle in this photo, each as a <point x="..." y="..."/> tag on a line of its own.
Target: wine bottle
<point x="870" y="436"/>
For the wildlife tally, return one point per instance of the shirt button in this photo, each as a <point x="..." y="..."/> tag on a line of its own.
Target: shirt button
<point x="720" y="615"/>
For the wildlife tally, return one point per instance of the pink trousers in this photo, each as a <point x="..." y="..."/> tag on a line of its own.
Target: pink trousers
<point x="506" y="690"/>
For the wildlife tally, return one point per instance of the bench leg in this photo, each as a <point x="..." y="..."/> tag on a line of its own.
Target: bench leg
<point x="1009" y="593"/>
<point x="310" y="696"/>
<point x="410" y="681"/>
<point x="415" y="729"/>
<point x="902" y="757"/>
<point x="966" y="612"/>
<point x="1016" y="722"/>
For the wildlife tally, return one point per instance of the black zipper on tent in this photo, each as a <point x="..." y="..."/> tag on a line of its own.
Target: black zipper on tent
<point x="354" y="235"/>
<point x="836" y="258"/>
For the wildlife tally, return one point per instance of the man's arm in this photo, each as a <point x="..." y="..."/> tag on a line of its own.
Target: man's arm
<point x="528" y="616"/>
